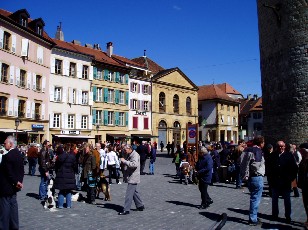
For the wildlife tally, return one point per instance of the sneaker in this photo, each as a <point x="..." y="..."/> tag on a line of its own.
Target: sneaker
<point x="252" y="223"/>
<point x="119" y="182"/>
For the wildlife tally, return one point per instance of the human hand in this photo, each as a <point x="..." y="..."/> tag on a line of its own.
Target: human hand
<point x="122" y="159"/>
<point x="19" y="185"/>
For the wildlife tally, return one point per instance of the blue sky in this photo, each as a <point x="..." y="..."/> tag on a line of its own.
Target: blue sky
<point x="209" y="40"/>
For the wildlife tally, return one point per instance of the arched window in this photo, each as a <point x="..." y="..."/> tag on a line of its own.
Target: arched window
<point x="176" y="103"/>
<point x="188" y="106"/>
<point x="176" y="124"/>
<point x="162" y="102"/>
<point x="162" y="125"/>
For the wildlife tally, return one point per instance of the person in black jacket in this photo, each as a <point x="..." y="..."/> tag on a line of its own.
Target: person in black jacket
<point x="143" y="152"/>
<point x="65" y="175"/>
<point x="11" y="178"/>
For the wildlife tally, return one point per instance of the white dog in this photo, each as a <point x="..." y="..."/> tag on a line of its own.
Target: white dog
<point x="50" y="202"/>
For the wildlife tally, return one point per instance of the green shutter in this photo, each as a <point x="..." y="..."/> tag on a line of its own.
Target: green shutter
<point x="126" y="97"/>
<point x="117" y="96"/>
<point x="105" y="94"/>
<point x="106" y="72"/>
<point x="94" y="92"/>
<point x="94" y="116"/>
<point x="116" y="118"/>
<point x="94" y="72"/>
<point x="117" y="78"/>
<point x="105" y="117"/>
<point x="126" y="79"/>
<point x="126" y="118"/>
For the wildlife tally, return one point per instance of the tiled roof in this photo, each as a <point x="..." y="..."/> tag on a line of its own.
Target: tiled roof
<point x="6" y="14"/>
<point x="153" y="66"/>
<point x="212" y="92"/>
<point x="128" y="61"/>
<point x="248" y="105"/>
<point x="258" y="105"/>
<point x="228" y="89"/>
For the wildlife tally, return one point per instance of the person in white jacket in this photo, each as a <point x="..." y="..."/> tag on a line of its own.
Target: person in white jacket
<point x="112" y="161"/>
<point x="103" y="157"/>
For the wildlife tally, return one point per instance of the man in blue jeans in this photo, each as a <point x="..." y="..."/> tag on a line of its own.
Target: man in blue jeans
<point x="253" y="169"/>
<point x="44" y="170"/>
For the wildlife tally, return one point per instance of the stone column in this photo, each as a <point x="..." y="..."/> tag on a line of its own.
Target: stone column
<point x="283" y="36"/>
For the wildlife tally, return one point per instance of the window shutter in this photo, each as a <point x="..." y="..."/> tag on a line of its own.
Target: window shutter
<point x="142" y="88"/>
<point x="91" y="73"/>
<point x="90" y="98"/>
<point x="64" y="94"/>
<point x="105" y="117"/>
<point x="145" y="123"/>
<point x="106" y="73"/>
<point x="126" y="78"/>
<point x="150" y="106"/>
<point x="79" y="70"/>
<point x="52" y="65"/>
<point x="70" y="95"/>
<point x="34" y="81"/>
<point x="117" y="95"/>
<point x="93" y="117"/>
<point x="66" y="66"/>
<point x="64" y="120"/>
<point x="51" y="117"/>
<point x="116" y="121"/>
<point x="138" y="88"/>
<point x="1" y="38"/>
<point x="43" y="84"/>
<point x="43" y="111"/>
<point x="131" y="87"/>
<point x="10" y="107"/>
<point x="95" y="72"/>
<point x="12" y="74"/>
<point x="39" y="53"/>
<point x="16" y="101"/>
<point x="51" y="93"/>
<point x="131" y="104"/>
<point x="28" y="80"/>
<point x="105" y="94"/>
<point x="90" y="122"/>
<point x="78" y="121"/>
<point x="126" y="97"/>
<point x="24" y="47"/>
<point x="28" y="109"/>
<point x="79" y="96"/>
<point x="94" y="90"/>
<point x="117" y="77"/>
<point x="33" y="110"/>
<point x="17" y="73"/>
<point x="139" y="105"/>
<point x="13" y="49"/>
<point x="150" y="89"/>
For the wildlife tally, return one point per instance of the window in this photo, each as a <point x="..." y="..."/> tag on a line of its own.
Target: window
<point x="110" y="96"/>
<point x="234" y="121"/>
<point x="85" y="72"/>
<point x="6" y="40"/>
<point x="84" y="100"/>
<point x="134" y="87"/>
<point x="146" y="123"/>
<point x="257" y="126"/>
<point x="72" y="71"/>
<point x="70" y="121"/>
<point x="38" y="82"/>
<point x="4" y="73"/>
<point x="58" y="66"/>
<point x="98" y="118"/>
<point x="122" y="78"/>
<point x="228" y="120"/>
<point x="176" y="103"/>
<point x="121" y="97"/>
<point x="3" y="105"/>
<point x="57" y="94"/>
<point x="257" y="115"/>
<point x="135" y="122"/>
<point x="37" y="111"/>
<point x="22" y="78"/>
<point x="121" y="119"/>
<point x="111" y="76"/>
<point x="99" y="74"/>
<point x="110" y="118"/>
<point x="134" y="104"/>
<point x="24" y="21"/>
<point x="56" y="120"/>
<point x="162" y="106"/>
<point x="39" y="30"/>
<point x="74" y="96"/>
<point x="21" y="108"/>
<point x="84" y="122"/>
<point x="188" y="106"/>
<point x="146" y="106"/>
<point x="146" y="89"/>
<point x="40" y="55"/>
<point x="99" y="94"/>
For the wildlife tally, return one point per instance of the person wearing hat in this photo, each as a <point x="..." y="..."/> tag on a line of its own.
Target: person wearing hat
<point x="303" y="177"/>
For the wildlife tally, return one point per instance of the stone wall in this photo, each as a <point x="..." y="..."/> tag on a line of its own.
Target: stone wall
<point x="283" y="34"/>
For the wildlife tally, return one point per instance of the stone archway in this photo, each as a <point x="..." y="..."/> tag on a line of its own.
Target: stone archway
<point x="162" y="132"/>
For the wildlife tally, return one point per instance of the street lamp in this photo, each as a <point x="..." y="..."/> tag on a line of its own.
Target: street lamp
<point x="17" y="122"/>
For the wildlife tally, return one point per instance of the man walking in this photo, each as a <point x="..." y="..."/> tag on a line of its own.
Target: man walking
<point x="44" y="166"/>
<point x="11" y="177"/>
<point x="32" y="156"/>
<point x="252" y="168"/>
<point x="131" y="176"/>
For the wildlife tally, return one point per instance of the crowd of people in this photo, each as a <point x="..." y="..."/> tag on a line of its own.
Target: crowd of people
<point x="78" y="167"/>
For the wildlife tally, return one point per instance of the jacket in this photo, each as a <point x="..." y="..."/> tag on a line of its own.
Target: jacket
<point x="142" y="150"/>
<point x="131" y="171"/>
<point x="11" y="172"/>
<point x="65" y="172"/>
<point x="204" y="168"/>
<point x="88" y="165"/>
<point x="252" y="162"/>
<point x="43" y="160"/>
<point x="153" y="155"/>
<point x="32" y="152"/>
<point x="303" y="175"/>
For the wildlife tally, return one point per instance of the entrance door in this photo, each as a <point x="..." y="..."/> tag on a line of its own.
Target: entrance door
<point x="162" y="136"/>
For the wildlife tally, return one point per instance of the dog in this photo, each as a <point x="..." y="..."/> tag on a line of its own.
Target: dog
<point x="104" y="187"/>
<point x="50" y="202"/>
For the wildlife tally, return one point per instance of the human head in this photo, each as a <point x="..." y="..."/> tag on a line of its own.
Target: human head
<point x="128" y="149"/>
<point x="269" y="148"/>
<point x="86" y="148"/>
<point x="259" y="141"/>
<point x="10" y="143"/>
<point x="280" y="145"/>
<point x="46" y="144"/>
<point x="203" y="151"/>
<point x="98" y="146"/>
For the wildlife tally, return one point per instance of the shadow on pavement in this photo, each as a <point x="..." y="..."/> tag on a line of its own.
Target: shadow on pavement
<point x="163" y="155"/>
<point x="215" y="217"/>
<point x="182" y="203"/>
<point x="115" y="207"/>
<point x="32" y="195"/>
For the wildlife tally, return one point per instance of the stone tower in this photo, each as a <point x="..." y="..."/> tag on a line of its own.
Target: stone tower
<point x="283" y="35"/>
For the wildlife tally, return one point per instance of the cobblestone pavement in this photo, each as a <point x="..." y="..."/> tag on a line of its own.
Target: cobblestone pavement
<point x="168" y="205"/>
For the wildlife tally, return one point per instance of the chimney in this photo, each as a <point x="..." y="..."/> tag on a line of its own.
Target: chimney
<point x="88" y="45"/>
<point x="255" y="97"/>
<point x="249" y="96"/>
<point x="59" y="33"/>
<point x="109" y="49"/>
<point x="76" y="42"/>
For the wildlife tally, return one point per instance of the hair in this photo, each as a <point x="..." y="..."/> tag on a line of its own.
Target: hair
<point x="60" y="149"/>
<point x="67" y="147"/>
<point x="45" y="143"/>
<point x="12" y="140"/>
<point x="258" y="140"/>
<point x="241" y="141"/>
<point x="203" y="150"/>
<point x="128" y="146"/>
<point x="73" y="146"/>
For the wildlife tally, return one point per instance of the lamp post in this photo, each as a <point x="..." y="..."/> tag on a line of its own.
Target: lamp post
<point x="17" y="122"/>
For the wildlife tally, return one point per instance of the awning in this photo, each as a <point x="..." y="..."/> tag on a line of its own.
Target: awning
<point x="74" y="136"/>
<point x="143" y="136"/>
<point x="117" y="136"/>
<point x="11" y="131"/>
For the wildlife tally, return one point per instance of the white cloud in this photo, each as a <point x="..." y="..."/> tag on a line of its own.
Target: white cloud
<point x="175" y="7"/>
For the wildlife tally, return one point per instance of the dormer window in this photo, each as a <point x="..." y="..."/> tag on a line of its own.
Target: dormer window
<point x="39" y="30"/>
<point x="23" y="21"/>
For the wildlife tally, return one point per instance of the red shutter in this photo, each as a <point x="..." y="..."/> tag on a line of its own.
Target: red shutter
<point x="146" y="123"/>
<point x="135" y="122"/>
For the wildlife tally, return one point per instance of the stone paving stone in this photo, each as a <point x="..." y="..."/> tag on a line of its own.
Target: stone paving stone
<point x="168" y="205"/>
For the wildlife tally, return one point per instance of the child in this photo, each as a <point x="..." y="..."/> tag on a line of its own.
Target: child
<point x="184" y="168"/>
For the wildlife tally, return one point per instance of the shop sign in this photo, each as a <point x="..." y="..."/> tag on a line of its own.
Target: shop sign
<point x="70" y="132"/>
<point x="141" y="113"/>
<point x="37" y="126"/>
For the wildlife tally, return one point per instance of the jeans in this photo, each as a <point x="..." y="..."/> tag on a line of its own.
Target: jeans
<point x="238" y="176"/>
<point x="9" y="212"/>
<point x="255" y="185"/>
<point x="43" y="185"/>
<point x="285" y="192"/>
<point x="78" y="177"/>
<point x="32" y="165"/>
<point x="151" y="167"/>
<point x="68" y="197"/>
